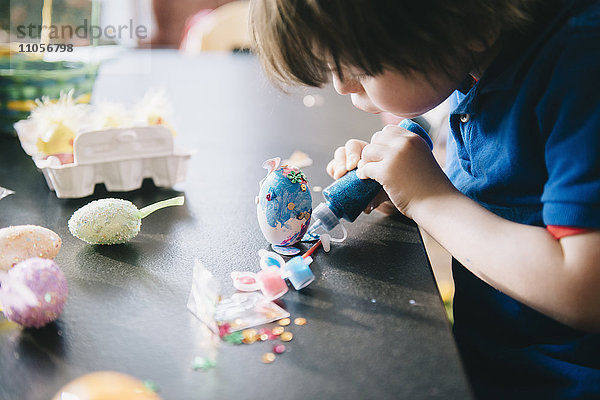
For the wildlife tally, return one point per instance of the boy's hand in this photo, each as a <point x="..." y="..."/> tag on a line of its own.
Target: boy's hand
<point x="403" y="164"/>
<point x="346" y="158"/>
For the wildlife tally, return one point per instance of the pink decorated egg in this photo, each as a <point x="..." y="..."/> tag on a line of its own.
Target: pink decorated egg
<point x="33" y="292"/>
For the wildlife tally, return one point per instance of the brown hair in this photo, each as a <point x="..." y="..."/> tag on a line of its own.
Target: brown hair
<point x="296" y="40"/>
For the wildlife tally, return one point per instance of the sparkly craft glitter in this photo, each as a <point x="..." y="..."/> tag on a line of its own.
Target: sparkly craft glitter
<point x="284" y="322"/>
<point x="300" y="321"/>
<point x="286" y="336"/>
<point x="268" y="358"/>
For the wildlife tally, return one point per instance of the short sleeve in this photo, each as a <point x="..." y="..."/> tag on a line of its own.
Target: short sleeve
<point x="569" y="114"/>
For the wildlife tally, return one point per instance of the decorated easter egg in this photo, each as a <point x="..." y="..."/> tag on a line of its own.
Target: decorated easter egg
<point x="284" y="204"/>
<point x="105" y="385"/>
<point x="33" y="292"/>
<point x="18" y="243"/>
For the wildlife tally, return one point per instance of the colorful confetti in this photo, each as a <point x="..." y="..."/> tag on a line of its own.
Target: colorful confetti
<point x="234" y="338"/>
<point x="279" y="348"/>
<point x="278" y="330"/>
<point x="300" y="321"/>
<point x="284" y="322"/>
<point x="203" y="363"/>
<point x="286" y="336"/>
<point x="151" y="385"/>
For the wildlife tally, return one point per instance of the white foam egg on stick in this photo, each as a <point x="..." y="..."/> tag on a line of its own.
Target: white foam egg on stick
<point x="20" y="242"/>
<point x="113" y="221"/>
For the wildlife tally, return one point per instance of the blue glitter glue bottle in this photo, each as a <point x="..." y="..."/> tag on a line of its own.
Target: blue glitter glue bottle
<point x="349" y="196"/>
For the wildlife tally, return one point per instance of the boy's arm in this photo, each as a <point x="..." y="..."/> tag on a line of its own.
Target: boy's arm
<point x="559" y="278"/>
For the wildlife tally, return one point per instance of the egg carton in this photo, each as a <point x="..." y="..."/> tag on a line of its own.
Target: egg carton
<point x="118" y="158"/>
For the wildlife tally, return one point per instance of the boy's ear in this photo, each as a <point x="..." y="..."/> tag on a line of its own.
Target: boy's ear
<point x="479" y="45"/>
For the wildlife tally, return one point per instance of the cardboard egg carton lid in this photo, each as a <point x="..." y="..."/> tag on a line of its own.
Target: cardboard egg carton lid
<point x="120" y="158"/>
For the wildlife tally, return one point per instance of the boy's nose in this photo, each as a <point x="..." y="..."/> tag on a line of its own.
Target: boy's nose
<point x="347" y="86"/>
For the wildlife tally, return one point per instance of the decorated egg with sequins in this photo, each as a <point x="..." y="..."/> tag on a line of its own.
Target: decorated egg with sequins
<point x="284" y="204"/>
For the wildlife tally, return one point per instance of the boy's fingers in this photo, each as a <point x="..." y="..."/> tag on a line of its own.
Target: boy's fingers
<point x="376" y="138"/>
<point x="367" y="169"/>
<point x="373" y="152"/>
<point x="353" y="149"/>
<point x="339" y="162"/>
<point x="389" y="133"/>
<point x="329" y="168"/>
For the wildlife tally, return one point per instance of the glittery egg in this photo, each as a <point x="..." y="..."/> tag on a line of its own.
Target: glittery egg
<point x="284" y="204"/>
<point x="106" y="221"/>
<point x="33" y="292"/>
<point x="18" y="243"/>
<point x="104" y="385"/>
<point x="113" y="221"/>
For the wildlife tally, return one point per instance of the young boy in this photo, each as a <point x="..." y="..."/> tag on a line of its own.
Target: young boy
<point x="519" y="204"/>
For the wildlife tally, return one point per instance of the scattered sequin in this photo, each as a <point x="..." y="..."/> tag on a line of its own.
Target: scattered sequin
<point x="278" y="348"/>
<point x="285" y="250"/>
<point x="203" y="363"/>
<point x="250" y="340"/>
<point x="224" y="329"/>
<point x="249" y="333"/>
<point x="291" y="206"/>
<point x="151" y="385"/>
<point x="268" y="358"/>
<point x="48" y="297"/>
<point x="300" y="321"/>
<point x="278" y="330"/>
<point x="284" y="322"/>
<point x="234" y="338"/>
<point x="286" y="336"/>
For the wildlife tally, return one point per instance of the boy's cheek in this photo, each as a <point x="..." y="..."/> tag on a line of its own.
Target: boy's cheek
<point x="362" y="102"/>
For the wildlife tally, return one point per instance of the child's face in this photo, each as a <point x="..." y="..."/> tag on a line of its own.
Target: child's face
<point x="400" y="94"/>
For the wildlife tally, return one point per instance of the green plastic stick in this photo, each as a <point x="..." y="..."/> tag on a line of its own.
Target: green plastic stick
<point x="175" y="201"/>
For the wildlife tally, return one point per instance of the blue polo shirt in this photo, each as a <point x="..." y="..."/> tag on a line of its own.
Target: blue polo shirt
<point x="525" y="144"/>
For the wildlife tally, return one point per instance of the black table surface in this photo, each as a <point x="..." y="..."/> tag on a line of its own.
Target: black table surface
<point x="376" y="325"/>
